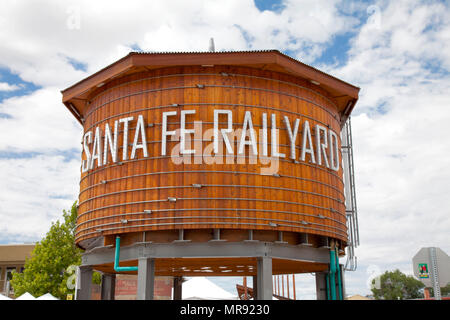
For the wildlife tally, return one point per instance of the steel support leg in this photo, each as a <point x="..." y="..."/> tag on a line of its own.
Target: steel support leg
<point x="177" y="288"/>
<point x="85" y="289"/>
<point x="321" y="286"/>
<point x="264" y="278"/>
<point x="255" y="287"/>
<point x="341" y="266"/>
<point x="108" y="286"/>
<point x="146" y="279"/>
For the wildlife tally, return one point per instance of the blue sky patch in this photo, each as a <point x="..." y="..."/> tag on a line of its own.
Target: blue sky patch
<point x="61" y="196"/>
<point x="383" y="108"/>
<point x="68" y="155"/>
<point x="77" y="65"/>
<point x="18" y="155"/>
<point x="247" y="37"/>
<point x="24" y="88"/>
<point x="4" y="115"/>
<point x="435" y="67"/>
<point x="336" y="51"/>
<point x="270" y="5"/>
<point x="135" y="47"/>
<point x="17" y="238"/>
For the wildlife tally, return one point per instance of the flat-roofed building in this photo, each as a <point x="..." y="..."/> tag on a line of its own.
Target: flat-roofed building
<point x="12" y="257"/>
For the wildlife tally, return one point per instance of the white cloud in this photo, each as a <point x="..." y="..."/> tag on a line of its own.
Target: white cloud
<point x="401" y="154"/>
<point x="8" y="87"/>
<point x="38" y="122"/>
<point x="36" y="38"/>
<point x="33" y="192"/>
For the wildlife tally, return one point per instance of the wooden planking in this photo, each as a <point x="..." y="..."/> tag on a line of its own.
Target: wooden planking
<point x="122" y="96"/>
<point x="219" y="266"/>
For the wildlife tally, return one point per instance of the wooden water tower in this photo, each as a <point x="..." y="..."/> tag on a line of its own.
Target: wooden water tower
<point x="212" y="164"/>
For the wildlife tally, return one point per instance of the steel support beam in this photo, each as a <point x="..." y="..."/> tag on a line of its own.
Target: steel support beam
<point x="207" y="250"/>
<point x="264" y="278"/>
<point x="146" y="278"/>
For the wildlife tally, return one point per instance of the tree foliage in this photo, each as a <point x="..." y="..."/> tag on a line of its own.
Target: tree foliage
<point x="395" y="285"/>
<point x="45" y="270"/>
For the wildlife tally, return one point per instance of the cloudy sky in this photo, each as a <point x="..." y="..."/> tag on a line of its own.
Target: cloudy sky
<point x="397" y="52"/>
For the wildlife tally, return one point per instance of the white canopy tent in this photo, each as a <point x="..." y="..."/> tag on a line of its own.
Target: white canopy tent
<point x="2" y="297"/>
<point x="200" y="288"/>
<point x="47" y="296"/>
<point x="26" y="296"/>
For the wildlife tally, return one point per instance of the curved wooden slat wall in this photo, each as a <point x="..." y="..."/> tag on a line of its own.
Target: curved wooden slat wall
<point x="305" y="198"/>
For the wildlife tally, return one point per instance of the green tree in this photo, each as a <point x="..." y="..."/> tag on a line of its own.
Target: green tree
<point x="45" y="270"/>
<point x="395" y="285"/>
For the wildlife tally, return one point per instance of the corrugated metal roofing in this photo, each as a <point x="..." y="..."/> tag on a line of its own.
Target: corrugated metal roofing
<point x="189" y="52"/>
<point x="209" y="52"/>
<point x="232" y="51"/>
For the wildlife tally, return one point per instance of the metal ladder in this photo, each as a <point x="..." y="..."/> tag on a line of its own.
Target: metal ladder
<point x="350" y="195"/>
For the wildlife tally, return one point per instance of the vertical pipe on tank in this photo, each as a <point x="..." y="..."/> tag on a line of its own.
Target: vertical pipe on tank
<point x="332" y="274"/>
<point x="338" y="269"/>
<point x="116" y="259"/>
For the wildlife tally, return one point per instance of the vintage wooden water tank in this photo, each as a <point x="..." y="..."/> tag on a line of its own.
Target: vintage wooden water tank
<point x="275" y="123"/>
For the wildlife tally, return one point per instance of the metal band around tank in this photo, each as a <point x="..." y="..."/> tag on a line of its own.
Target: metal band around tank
<point x="207" y="199"/>
<point x="210" y="185"/>
<point x="237" y="156"/>
<point x="208" y="223"/>
<point x="210" y="209"/>
<point x="210" y="171"/>
<point x="206" y="217"/>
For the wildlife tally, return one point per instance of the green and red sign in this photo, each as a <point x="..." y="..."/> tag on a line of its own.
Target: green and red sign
<point x="423" y="271"/>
